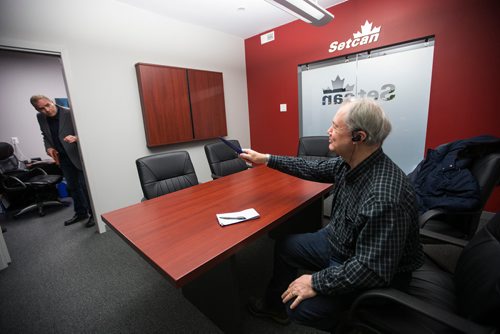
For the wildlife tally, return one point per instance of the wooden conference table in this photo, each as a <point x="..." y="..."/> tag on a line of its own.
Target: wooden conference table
<point x="178" y="233"/>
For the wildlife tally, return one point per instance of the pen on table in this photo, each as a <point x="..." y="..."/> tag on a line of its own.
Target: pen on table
<point x="240" y="217"/>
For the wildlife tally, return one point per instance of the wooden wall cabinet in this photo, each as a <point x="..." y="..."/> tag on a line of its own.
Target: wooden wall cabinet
<point x="180" y="105"/>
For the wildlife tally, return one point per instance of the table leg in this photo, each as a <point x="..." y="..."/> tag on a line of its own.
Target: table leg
<point x="216" y="295"/>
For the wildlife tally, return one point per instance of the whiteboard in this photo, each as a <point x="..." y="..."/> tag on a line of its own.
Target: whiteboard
<point x="399" y="78"/>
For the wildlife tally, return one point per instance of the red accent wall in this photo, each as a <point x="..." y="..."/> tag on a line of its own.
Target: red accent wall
<point x="465" y="76"/>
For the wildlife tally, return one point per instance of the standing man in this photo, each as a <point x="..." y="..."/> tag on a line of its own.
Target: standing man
<point x="62" y="145"/>
<point x="372" y="239"/>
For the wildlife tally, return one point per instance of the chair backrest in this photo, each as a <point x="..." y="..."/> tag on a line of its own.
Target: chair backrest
<point x="164" y="173"/>
<point x="486" y="170"/>
<point x="8" y="161"/>
<point x="477" y="275"/>
<point x="314" y="148"/>
<point x="223" y="160"/>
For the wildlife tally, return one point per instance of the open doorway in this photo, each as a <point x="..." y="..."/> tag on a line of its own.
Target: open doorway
<point x="24" y="73"/>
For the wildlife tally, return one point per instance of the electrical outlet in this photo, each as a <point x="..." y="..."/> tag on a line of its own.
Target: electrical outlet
<point x="283" y="107"/>
<point x="14" y="140"/>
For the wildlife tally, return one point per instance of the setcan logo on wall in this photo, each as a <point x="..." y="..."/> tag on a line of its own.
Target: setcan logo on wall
<point x="367" y="35"/>
<point x="338" y="92"/>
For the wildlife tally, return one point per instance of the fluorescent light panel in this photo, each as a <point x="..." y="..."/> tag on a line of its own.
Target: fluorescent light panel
<point x="306" y="10"/>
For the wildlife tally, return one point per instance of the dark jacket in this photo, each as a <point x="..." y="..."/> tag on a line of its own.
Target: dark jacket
<point x="65" y="128"/>
<point x="443" y="180"/>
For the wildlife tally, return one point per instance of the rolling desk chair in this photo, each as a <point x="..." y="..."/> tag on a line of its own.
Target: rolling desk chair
<point x="18" y="183"/>
<point x="164" y="173"/>
<point x="486" y="170"/>
<point x="223" y="160"/>
<point x="316" y="148"/>
<point x="436" y="301"/>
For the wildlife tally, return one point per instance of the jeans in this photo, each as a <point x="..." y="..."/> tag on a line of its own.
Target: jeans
<point x="310" y="251"/>
<point x="76" y="185"/>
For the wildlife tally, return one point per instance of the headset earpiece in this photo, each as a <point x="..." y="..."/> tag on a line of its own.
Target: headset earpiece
<point x="356" y="136"/>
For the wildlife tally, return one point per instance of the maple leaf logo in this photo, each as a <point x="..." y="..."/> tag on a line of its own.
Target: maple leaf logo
<point x="366" y="29"/>
<point x="338" y="86"/>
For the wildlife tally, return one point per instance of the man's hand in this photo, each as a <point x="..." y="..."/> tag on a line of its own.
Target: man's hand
<point x="52" y="152"/>
<point x="253" y="156"/>
<point x="299" y="289"/>
<point x="70" y="139"/>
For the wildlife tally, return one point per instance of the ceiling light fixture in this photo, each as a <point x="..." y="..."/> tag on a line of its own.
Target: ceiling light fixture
<point x="307" y="10"/>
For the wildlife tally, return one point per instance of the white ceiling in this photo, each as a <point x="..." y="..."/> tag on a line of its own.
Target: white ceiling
<point x="242" y="18"/>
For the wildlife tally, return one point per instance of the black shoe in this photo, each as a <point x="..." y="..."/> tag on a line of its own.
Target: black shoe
<point x="90" y="222"/>
<point x="75" y="219"/>
<point x="258" y="308"/>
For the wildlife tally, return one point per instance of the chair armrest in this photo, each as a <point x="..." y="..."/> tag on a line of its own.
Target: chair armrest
<point x="37" y="171"/>
<point x="436" y="213"/>
<point x="449" y="319"/>
<point x="428" y="215"/>
<point x="13" y="183"/>
<point x="442" y="237"/>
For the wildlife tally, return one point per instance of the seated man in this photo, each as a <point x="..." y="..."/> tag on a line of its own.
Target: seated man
<point x="372" y="239"/>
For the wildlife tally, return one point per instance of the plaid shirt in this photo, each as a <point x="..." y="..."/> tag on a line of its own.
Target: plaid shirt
<point x="374" y="223"/>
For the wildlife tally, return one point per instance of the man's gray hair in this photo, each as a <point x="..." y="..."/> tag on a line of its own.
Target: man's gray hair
<point x="365" y="114"/>
<point x="35" y="98"/>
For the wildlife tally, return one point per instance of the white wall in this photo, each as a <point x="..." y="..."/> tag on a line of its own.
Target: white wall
<point x="22" y="75"/>
<point x="100" y="41"/>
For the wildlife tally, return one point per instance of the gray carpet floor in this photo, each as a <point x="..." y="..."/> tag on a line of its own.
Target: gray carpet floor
<point x="74" y="280"/>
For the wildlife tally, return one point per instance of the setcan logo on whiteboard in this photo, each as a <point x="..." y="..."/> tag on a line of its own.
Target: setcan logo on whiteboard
<point x="368" y="34"/>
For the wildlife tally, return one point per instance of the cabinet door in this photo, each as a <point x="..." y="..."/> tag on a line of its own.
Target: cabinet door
<point x="165" y="104"/>
<point x="208" y="109"/>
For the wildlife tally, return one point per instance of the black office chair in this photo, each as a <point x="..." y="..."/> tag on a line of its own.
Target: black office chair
<point x="164" y="173"/>
<point x="223" y="160"/>
<point x="20" y="184"/>
<point x="314" y="148"/>
<point x="486" y="170"/>
<point x="436" y="301"/>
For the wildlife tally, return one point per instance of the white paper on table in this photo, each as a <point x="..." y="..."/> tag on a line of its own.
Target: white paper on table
<point x="230" y="218"/>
